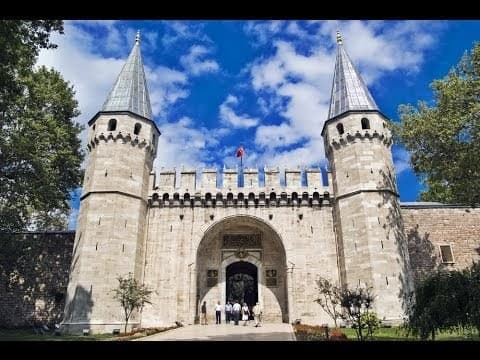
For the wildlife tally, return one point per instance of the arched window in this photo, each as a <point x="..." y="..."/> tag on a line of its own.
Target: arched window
<point x="365" y="124"/>
<point x="340" y="128"/>
<point x="165" y="197"/>
<point x="94" y="125"/>
<point x="273" y="196"/>
<point x="112" y="124"/>
<point x="136" y="129"/>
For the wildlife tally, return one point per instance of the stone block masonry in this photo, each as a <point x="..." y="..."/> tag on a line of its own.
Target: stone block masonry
<point x="34" y="276"/>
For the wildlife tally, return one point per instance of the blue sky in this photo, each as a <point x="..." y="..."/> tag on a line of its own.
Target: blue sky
<point x="263" y="84"/>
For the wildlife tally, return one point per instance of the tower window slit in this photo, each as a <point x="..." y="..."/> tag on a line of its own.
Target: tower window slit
<point x="381" y="242"/>
<point x="96" y="246"/>
<point x="112" y="124"/>
<point x="386" y="280"/>
<point x="123" y="247"/>
<point x="340" y="129"/>
<point x="137" y="128"/>
<point x="365" y="124"/>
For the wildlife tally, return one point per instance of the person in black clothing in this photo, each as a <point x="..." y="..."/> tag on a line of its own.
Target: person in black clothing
<point x="203" y="320"/>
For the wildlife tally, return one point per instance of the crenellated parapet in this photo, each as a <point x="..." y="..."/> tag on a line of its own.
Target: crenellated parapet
<point x="350" y="137"/>
<point x="185" y="191"/>
<point x="118" y="136"/>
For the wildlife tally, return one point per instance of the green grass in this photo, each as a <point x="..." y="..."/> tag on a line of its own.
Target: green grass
<point x="398" y="334"/>
<point x="315" y="333"/>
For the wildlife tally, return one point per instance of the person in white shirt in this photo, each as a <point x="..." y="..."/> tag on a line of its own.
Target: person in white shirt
<point x="228" y="312"/>
<point x="218" y="313"/>
<point x="245" y="314"/>
<point x="236" y="311"/>
<point x="257" y="314"/>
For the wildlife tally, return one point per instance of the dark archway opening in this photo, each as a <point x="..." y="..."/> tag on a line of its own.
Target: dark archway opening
<point x="242" y="283"/>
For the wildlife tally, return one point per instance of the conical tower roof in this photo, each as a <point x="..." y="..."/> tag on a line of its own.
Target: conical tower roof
<point x="348" y="90"/>
<point x="130" y="92"/>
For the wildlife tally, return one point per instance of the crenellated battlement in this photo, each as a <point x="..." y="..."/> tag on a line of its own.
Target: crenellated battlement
<point x="115" y="136"/>
<point x="237" y="191"/>
<point x="348" y="137"/>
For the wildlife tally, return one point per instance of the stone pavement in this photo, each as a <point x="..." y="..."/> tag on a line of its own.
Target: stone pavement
<point x="227" y="332"/>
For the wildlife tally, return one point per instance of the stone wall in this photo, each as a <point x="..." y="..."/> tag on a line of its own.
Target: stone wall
<point x="33" y="279"/>
<point x="428" y="227"/>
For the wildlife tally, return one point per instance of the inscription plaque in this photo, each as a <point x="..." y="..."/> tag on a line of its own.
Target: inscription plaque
<point x="236" y="241"/>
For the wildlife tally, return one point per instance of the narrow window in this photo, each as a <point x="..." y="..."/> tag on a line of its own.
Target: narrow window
<point x="94" y="126"/>
<point x="446" y="252"/>
<point x="365" y="124"/>
<point x="112" y="124"/>
<point x="136" y="129"/>
<point x="153" y="139"/>
<point x="340" y="128"/>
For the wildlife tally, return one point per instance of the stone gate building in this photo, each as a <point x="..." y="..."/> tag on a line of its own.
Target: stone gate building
<point x="193" y="241"/>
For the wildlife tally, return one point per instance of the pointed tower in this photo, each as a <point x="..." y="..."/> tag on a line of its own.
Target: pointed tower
<point x="368" y="224"/>
<point x="109" y="241"/>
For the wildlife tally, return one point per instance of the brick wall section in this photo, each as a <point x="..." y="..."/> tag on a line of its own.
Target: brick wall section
<point x="429" y="227"/>
<point x="34" y="271"/>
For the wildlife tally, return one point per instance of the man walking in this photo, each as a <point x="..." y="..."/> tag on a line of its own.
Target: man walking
<point x="257" y="314"/>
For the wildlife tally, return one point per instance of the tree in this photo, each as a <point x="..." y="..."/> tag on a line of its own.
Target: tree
<point x="40" y="155"/>
<point x="446" y="300"/>
<point x="357" y="304"/>
<point x="329" y="298"/>
<point x="131" y="295"/>
<point x="21" y="41"/>
<point x="444" y="139"/>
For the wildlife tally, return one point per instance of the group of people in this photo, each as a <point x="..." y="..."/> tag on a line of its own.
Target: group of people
<point x="234" y="312"/>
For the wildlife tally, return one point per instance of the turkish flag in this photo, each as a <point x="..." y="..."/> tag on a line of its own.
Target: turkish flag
<point x="240" y="151"/>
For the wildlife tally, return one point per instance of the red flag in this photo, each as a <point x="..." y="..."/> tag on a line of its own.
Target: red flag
<point x="240" y="151"/>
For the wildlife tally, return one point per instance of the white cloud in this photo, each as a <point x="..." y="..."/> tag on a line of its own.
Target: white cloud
<point x="263" y="30"/>
<point x="194" y="64"/>
<point x="229" y="117"/>
<point x="178" y="31"/>
<point x="181" y="144"/>
<point x="299" y="75"/>
<point x="166" y="87"/>
<point x="401" y="159"/>
<point x="93" y="75"/>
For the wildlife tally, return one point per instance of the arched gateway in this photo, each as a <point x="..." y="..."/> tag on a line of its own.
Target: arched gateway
<point x="242" y="258"/>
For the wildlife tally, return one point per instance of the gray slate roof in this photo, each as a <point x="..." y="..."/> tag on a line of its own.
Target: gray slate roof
<point x="348" y="90"/>
<point x="130" y="92"/>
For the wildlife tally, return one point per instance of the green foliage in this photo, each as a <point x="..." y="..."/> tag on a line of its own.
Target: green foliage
<point x="444" y="139"/>
<point x="446" y="301"/>
<point x="21" y="41"/>
<point x="40" y="153"/>
<point x="371" y="323"/>
<point x="357" y="303"/>
<point x="132" y="295"/>
<point x="329" y="298"/>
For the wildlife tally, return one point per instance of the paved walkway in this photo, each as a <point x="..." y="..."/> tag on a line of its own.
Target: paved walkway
<point x="226" y="332"/>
